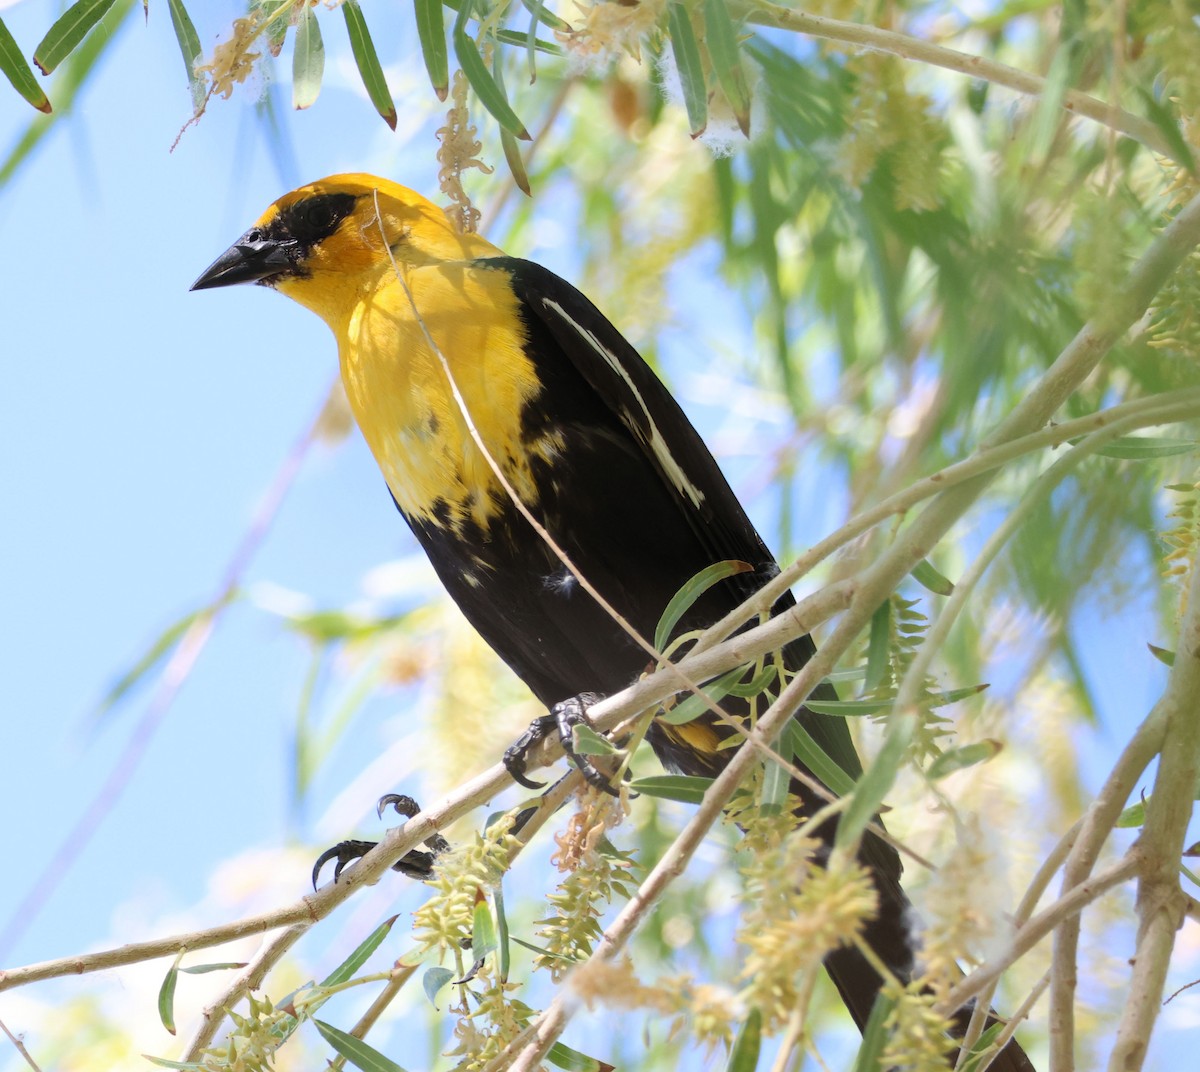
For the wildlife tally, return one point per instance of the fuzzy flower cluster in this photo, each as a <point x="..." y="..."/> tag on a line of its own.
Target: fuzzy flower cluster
<point x="484" y="1031"/>
<point x="444" y="921"/>
<point x="612" y="28"/>
<point x="459" y="152"/>
<point x="918" y="1038"/>
<point x="795" y="914"/>
<point x="252" y="1043"/>
<point x="712" y="1011"/>
<point x="964" y="909"/>
<point x="1183" y="538"/>
<point x="596" y="874"/>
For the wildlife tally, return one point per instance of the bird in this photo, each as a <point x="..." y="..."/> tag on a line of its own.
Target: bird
<point x="591" y="443"/>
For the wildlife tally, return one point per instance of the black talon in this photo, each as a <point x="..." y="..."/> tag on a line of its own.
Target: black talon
<point x="415" y="863"/>
<point x="562" y="720"/>
<point x="517" y="754"/>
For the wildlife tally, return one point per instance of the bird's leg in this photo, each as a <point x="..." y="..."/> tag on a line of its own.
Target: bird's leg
<point x="415" y="863"/>
<point x="562" y="720"/>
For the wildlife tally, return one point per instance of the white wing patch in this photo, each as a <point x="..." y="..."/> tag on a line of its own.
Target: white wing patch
<point x="657" y="444"/>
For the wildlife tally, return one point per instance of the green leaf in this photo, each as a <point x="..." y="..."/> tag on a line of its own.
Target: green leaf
<point x="776" y="782"/>
<point x="744" y="1055"/>
<point x="359" y="957"/>
<point x="277" y="27"/>
<point x="1132" y="817"/>
<point x="357" y="1052"/>
<point x="19" y="73"/>
<point x="587" y="742"/>
<point x="1139" y="448"/>
<point x="877" y="645"/>
<point x="434" y="979"/>
<point x="483" y="929"/>
<point x="692" y="589"/>
<point x="720" y="37"/>
<point x="163" y="645"/>
<point x="542" y="952"/>
<point x="877" y="780"/>
<point x="691" y="70"/>
<point x="982" y="1045"/>
<point x="537" y="9"/>
<point x="166" y="994"/>
<point x="204" y="969"/>
<point x="1163" y="118"/>
<point x="801" y="745"/>
<point x="189" y="48"/>
<point x="925" y="574"/>
<point x="184" y="1066"/>
<point x="71" y="27"/>
<point x="687" y="789"/>
<point x="508" y="142"/>
<point x="502" y="935"/>
<point x="490" y="95"/>
<point x="757" y="684"/>
<point x="870" y="1053"/>
<point x="956" y="759"/>
<point x="308" y="60"/>
<point x="858" y="708"/>
<point x="367" y="60"/>
<point x="431" y="32"/>
<point x="562" y="1056"/>
<point x="692" y="707"/>
<point x="1163" y="655"/>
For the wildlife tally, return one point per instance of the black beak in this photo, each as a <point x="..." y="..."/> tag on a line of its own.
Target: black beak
<point x="251" y="259"/>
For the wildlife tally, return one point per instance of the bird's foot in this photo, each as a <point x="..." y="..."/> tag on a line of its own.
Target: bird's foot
<point x="562" y="720"/>
<point x="415" y="863"/>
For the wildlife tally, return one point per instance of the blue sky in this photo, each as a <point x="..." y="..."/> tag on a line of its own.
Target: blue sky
<point x="140" y="425"/>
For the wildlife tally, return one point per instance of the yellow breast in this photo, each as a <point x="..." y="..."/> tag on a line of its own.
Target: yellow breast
<point x="401" y="394"/>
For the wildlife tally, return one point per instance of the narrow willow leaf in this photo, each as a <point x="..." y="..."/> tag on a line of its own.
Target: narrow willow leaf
<point x="587" y="742"/>
<point x="204" y="969"/>
<point x="692" y="707"/>
<point x="434" y="979"/>
<point x="431" y="32"/>
<point x="776" y="782"/>
<point x="71" y="28"/>
<point x="956" y="759"/>
<point x="367" y="60"/>
<point x="562" y="1056"/>
<point x="357" y="1052"/>
<point x="858" y="708"/>
<point x="308" y="60"/>
<point x="925" y="574"/>
<point x="166" y="995"/>
<point x="693" y="589"/>
<point x="162" y="646"/>
<point x="19" y="73"/>
<point x="877" y="646"/>
<point x="502" y="934"/>
<point x="801" y="745"/>
<point x="981" y="1048"/>
<point x="1136" y="448"/>
<point x="720" y="37"/>
<point x="490" y="95"/>
<point x="519" y="38"/>
<point x="512" y="151"/>
<point x="483" y="929"/>
<point x="541" y="952"/>
<point x="537" y="9"/>
<point x="185" y="1066"/>
<point x="761" y="681"/>
<point x="1163" y="655"/>
<point x="189" y="48"/>
<point x="691" y="70"/>
<point x="876" y="781"/>
<point x="687" y="789"/>
<point x="1168" y="126"/>
<point x="744" y="1055"/>
<point x="870" y="1053"/>
<point x="358" y="958"/>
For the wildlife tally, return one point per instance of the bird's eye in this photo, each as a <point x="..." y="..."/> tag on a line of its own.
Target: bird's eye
<point x="317" y="217"/>
<point x="316" y="214"/>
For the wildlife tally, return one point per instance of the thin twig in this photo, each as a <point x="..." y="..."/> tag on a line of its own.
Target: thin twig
<point x="20" y="1047"/>
<point x="912" y="48"/>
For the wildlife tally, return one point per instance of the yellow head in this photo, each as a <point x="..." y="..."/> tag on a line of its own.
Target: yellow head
<point x="327" y="243"/>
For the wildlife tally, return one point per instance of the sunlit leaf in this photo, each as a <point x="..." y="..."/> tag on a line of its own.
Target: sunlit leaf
<point x="490" y="95"/>
<point x="357" y="1052"/>
<point x="689" y="65"/>
<point x="19" y="73"/>
<point x="189" y="48"/>
<point x="308" y="60"/>
<point x="720" y="37"/>
<point x="925" y="574"/>
<point x="431" y="32"/>
<point x="361" y="954"/>
<point x="69" y="30"/>
<point x="367" y="61"/>
<point x="686" y="789"/>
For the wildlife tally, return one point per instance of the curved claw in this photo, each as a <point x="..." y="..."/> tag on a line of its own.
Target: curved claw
<point x="404" y="805"/>
<point x="567" y="715"/>
<point x="344" y="852"/>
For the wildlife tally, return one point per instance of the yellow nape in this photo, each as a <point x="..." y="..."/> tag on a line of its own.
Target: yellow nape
<point x="395" y="269"/>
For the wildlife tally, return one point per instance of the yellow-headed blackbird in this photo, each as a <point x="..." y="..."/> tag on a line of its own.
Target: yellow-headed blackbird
<point x="587" y="437"/>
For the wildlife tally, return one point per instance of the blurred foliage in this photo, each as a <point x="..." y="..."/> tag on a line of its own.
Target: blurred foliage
<point x="913" y="246"/>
